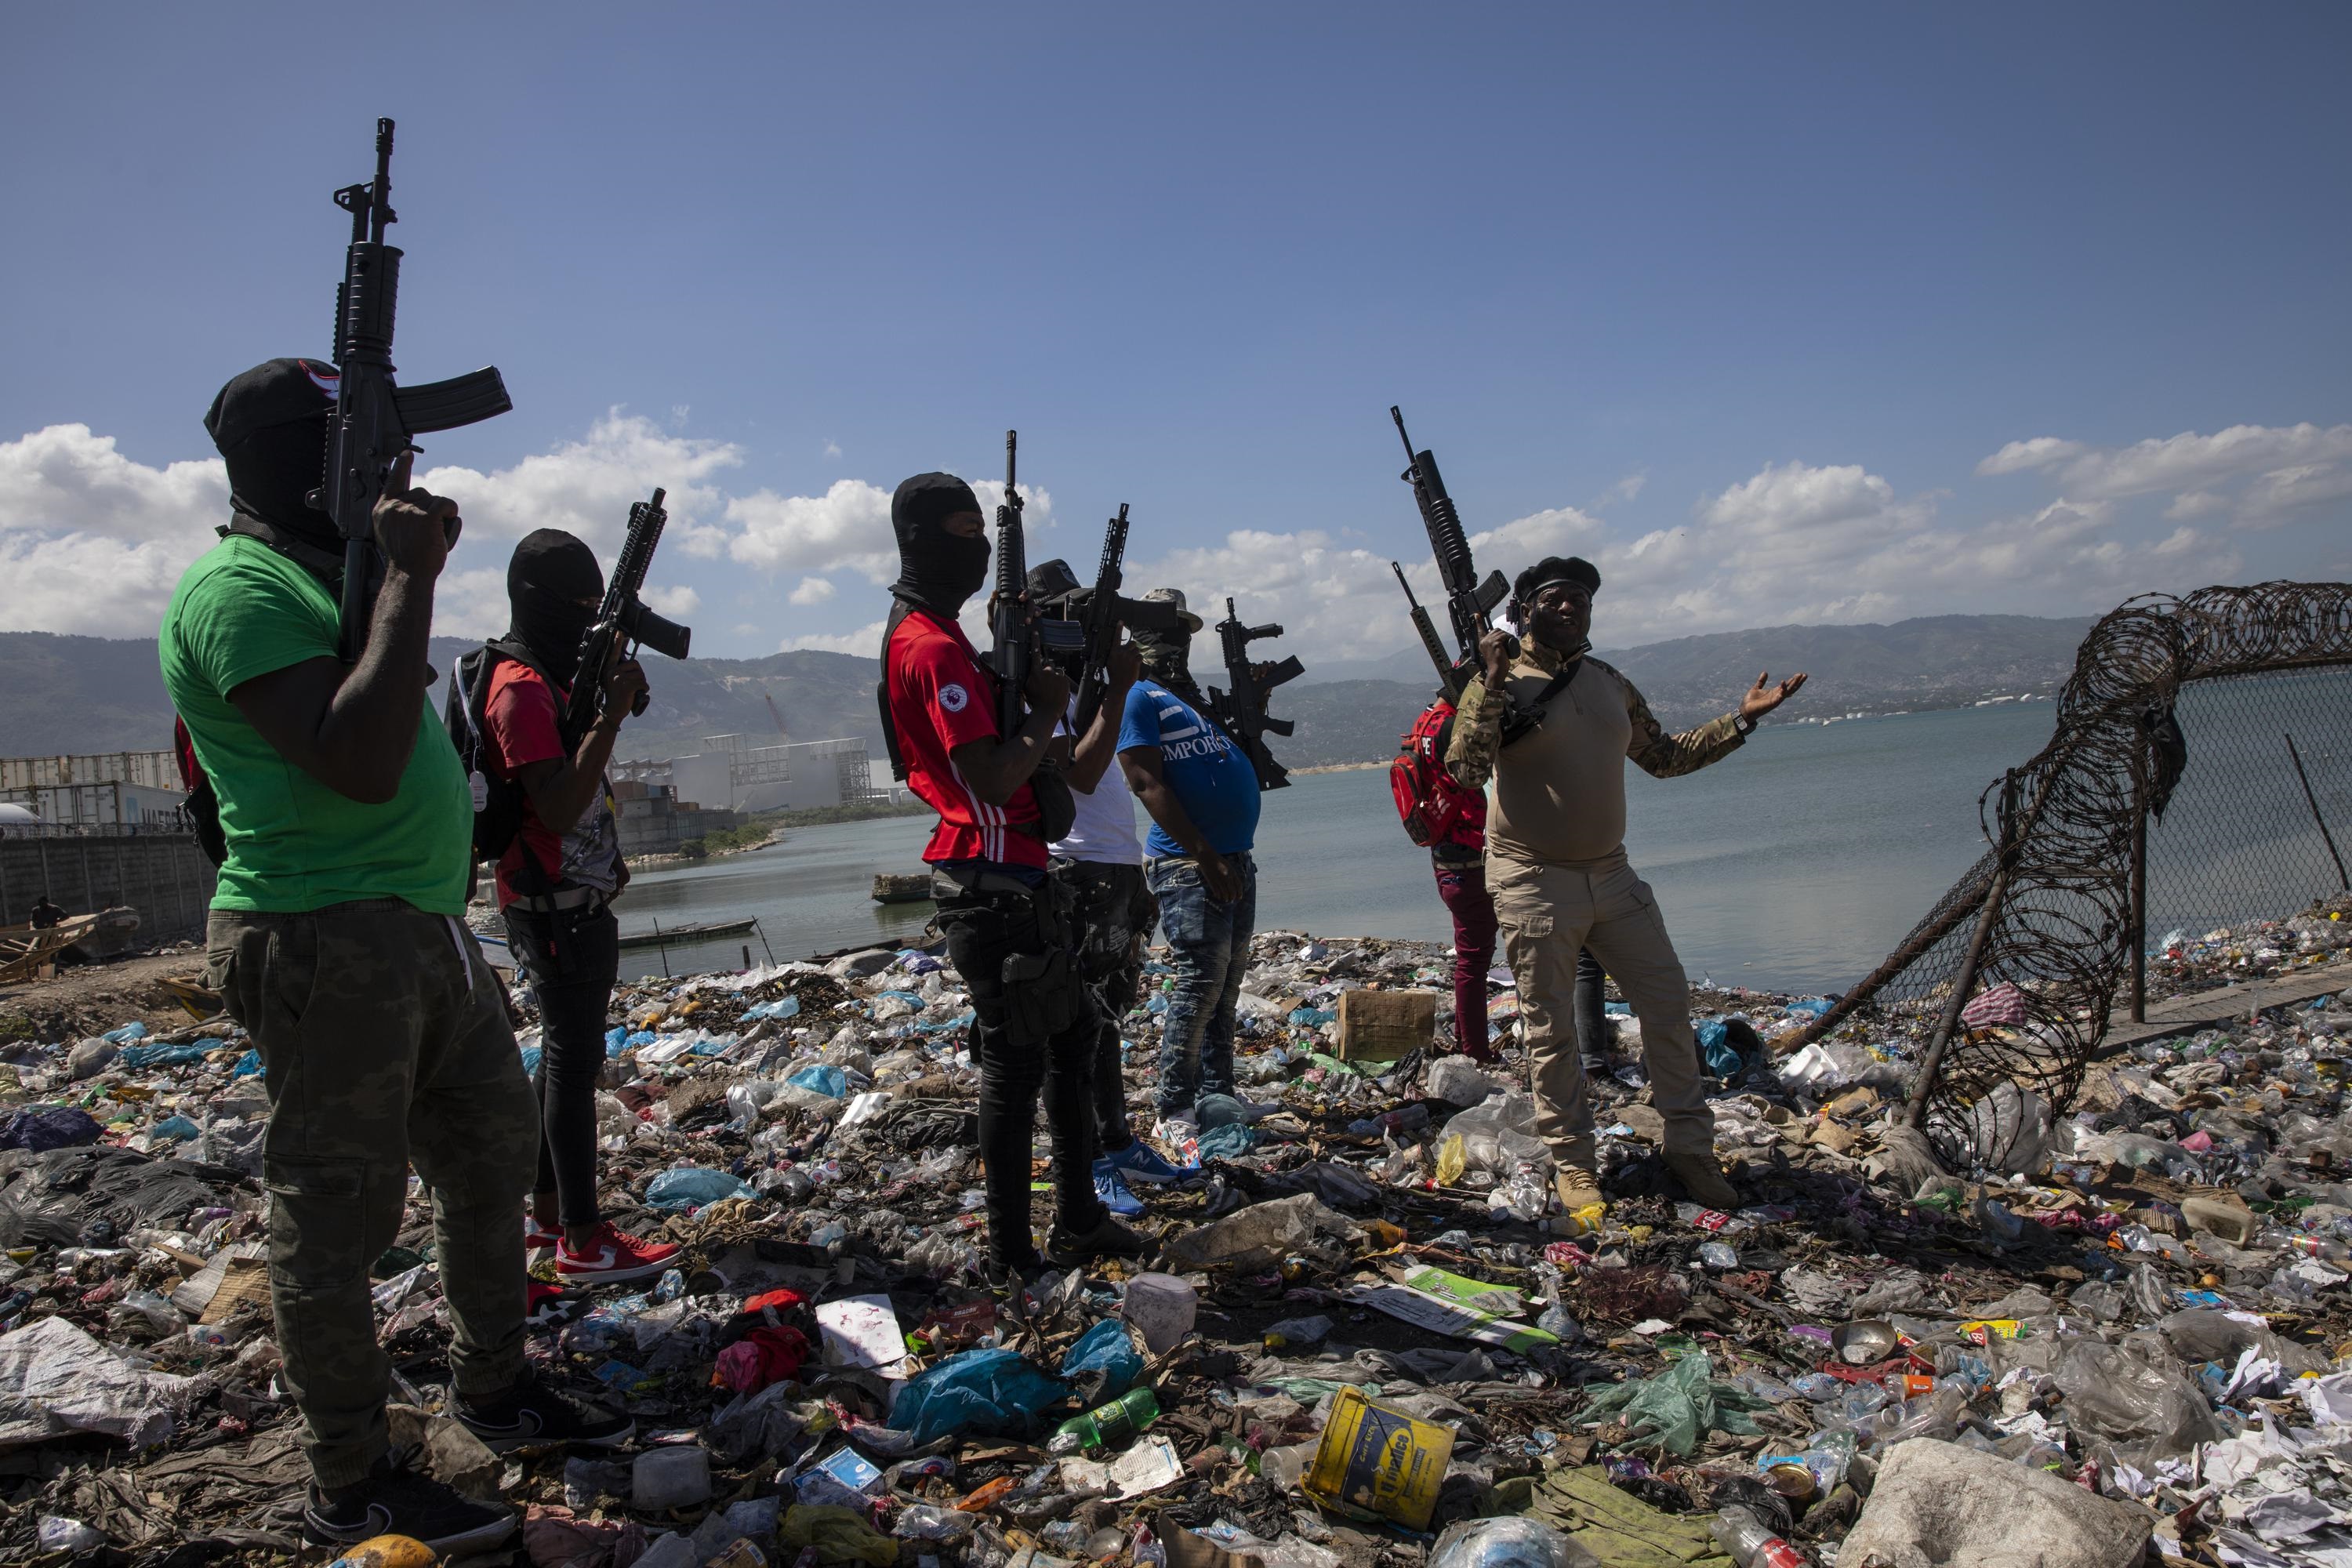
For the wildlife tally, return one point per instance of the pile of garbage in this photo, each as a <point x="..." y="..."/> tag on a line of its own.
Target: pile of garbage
<point x="1369" y="1335"/>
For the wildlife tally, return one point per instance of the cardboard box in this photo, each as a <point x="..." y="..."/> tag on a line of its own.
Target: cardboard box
<point x="1382" y="1026"/>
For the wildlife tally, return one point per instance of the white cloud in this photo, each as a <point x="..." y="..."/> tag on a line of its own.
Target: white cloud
<point x="848" y="527"/>
<point x="675" y="602"/>
<point x="92" y="542"/>
<point x="832" y="448"/>
<point x="865" y="640"/>
<point x="587" y="487"/>
<point x="2288" y="468"/>
<point x="813" y="591"/>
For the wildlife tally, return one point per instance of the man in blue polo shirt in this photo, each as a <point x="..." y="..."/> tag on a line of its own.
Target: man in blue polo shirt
<point x="1202" y="795"/>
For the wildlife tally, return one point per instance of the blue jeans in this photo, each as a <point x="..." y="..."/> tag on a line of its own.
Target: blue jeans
<point x="1209" y="942"/>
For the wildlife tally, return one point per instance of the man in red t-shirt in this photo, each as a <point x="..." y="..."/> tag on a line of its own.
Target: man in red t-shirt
<point x="556" y="883"/>
<point x="1033" y="1019"/>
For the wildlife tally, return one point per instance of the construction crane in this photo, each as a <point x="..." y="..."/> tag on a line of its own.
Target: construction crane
<point x="781" y="733"/>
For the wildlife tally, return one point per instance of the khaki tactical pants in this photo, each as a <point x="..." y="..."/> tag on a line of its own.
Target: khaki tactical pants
<point x="384" y="1039"/>
<point x="1546" y="913"/>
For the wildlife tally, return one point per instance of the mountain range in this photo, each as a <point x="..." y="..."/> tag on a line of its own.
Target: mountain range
<point x="68" y="694"/>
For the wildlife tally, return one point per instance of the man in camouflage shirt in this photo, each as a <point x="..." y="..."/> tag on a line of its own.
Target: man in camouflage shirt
<point x="1556" y="863"/>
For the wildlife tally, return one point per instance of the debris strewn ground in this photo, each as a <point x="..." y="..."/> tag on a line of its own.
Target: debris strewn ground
<point x="1370" y="1337"/>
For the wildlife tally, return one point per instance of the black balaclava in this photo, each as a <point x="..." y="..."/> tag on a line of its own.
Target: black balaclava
<point x="1168" y="660"/>
<point x="271" y="424"/>
<point x="551" y="574"/>
<point x="937" y="569"/>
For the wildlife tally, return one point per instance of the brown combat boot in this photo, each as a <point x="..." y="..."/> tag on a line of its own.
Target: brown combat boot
<point x="1577" y="1188"/>
<point x="1703" y="1179"/>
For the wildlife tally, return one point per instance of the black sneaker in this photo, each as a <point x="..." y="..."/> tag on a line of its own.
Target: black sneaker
<point x="532" y="1414"/>
<point x="1108" y="1238"/>
<point x="395" y="1499"/>
<point x="1008" y="1280"/>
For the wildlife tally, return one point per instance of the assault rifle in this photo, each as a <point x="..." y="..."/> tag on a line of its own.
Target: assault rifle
<point x="1469" y="602"/>
<point x="1240" y="710"/>
<point x="1008" y="616"/>
<point x="624" y="618"/>
<point x="1104" y="613"/>
<point x="1446" y="669"/>
<point x="374" y="420"/>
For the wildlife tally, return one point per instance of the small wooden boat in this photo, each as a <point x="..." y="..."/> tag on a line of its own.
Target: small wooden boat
<point x="670" y="936"/>
<point x="897" y="888"/>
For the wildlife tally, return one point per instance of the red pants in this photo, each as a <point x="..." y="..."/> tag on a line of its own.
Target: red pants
<point x="1464" y="889"/>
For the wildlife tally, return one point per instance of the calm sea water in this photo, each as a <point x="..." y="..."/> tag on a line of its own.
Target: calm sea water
<point x="1793" y="864"/>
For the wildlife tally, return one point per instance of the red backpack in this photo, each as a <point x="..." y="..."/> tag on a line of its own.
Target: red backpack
<point x="1433" y="808"/>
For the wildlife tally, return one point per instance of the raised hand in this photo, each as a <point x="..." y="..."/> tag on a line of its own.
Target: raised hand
<point x="1763" y="696"/>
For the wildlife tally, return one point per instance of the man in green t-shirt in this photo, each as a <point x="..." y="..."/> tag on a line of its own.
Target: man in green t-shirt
<point x="335" y="939"/>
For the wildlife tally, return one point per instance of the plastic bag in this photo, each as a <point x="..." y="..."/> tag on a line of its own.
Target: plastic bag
<point x="986" y="1391"/>
<point x="41" y="1128"/>
<point x="1680" y="1405"/>
<point x="2118" y="1392"/>
<point x="693" y="1187"/>
<point x="1103" y="1363"/>
<point x="823" y="1078"/>
<point x="1513" y="1542"/>
<point x="1457" y="1081"/>
<point x="1261" y="1232"/>
<point x="836" y="1534"/>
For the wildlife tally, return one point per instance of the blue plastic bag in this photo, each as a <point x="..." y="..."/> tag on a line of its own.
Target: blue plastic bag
<point x="1104" y="1349"/>
<point x="247" y="1065"/>
<point x="125" y="1035"/>
<point x="783" y="1007"/>
<point x="990" y="1391"/>
<point x="1722" y="1061"/>
<point x="692" y="1187"/>
<point x="1811" y="1006"/>
<point x="531" y="1056"/>
<point x="176" y="1127"/>
<point x="137" y="1057"/>
<point x="823" y="1077"/>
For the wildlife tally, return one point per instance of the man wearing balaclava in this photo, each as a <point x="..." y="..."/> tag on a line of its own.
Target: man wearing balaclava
<point x="556" y="881"/>
<point x="1033" y="1019"/>
<point x="336" y="939"/>
<point x="1556" y="864"/>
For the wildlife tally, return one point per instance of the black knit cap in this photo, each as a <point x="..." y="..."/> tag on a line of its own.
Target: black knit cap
<point x="1556" y="569"/>
<point x="926" y="500"/>
<point x="273" y="393"/>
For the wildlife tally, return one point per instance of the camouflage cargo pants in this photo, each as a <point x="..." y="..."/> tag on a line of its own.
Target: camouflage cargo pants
<point x="383" y="1040"/>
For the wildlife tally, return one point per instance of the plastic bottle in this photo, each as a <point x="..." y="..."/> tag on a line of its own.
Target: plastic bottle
<point x="1750" y="1543"/>
<point x="1107" y="1425"/>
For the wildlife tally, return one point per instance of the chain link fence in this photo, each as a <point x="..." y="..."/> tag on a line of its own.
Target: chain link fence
<point x="2167" y="799"/>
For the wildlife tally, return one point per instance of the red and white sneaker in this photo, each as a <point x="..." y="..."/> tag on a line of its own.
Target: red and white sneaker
<point x="545" y="1305"/>
<point x="538" y="1238"/>
<point x="612" y="1256"/>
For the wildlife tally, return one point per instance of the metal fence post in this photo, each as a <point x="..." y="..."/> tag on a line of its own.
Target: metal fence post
<point x="2139" y="921"/>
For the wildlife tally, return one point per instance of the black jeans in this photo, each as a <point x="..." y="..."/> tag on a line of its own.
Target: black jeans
<point x="573" y="957"/>
<point x="1113" y="908"/>
<point x="984" y="930"/>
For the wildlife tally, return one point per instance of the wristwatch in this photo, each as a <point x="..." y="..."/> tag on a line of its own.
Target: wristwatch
<point x="1741" y="724"/>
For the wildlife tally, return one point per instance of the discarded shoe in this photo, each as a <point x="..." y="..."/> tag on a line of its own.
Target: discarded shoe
<point x="532" y="1413"/>
<point x="394" y="1500"/>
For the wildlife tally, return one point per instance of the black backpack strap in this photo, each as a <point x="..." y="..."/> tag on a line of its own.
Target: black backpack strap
<point x="899" y="608"/>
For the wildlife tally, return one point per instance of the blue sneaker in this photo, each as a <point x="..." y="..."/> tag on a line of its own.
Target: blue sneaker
<point x="1139" y="1162"/>
<point x="1113" y="1191"/>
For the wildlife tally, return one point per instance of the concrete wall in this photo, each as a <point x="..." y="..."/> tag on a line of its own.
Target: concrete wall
<point x="163" y="876"/>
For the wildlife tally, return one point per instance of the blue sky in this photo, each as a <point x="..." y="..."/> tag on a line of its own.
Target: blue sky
<point x="1821" y="312"/>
